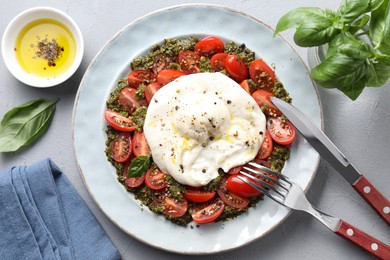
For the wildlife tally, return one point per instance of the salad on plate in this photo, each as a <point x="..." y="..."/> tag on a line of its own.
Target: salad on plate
<point x="189" y="115"/>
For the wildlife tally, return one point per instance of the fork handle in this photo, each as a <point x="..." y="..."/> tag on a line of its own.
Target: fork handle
<point x="367" y="242"/>
<point x="373" y="197"/>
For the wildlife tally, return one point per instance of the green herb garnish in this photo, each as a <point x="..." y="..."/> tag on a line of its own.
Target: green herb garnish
<point x="358" y="40"/>
<point x="24" y="124"/>
<point x="139" y="166"/>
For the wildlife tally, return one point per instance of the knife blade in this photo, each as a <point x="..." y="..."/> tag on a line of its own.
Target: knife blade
<point x="327" y="150"/>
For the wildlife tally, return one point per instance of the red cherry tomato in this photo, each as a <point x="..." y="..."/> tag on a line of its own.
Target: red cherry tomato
<point x="119" y="122"/>
<point x="235" y="170"/>
<point x="236" y="68"/>
<point x="198" y="195"/>
<point x="133" y="182"/>
<point x="239" y="187"/>
<point x="168" y="75"/>
<point x="141" y="76"/>
<point x="246" y="86"/>
<point x="281" y="131"/>
<point x="150" y="90"/>
<point x="207" y="212"/>
<point x="262" y="98"/>
<point x="127" y="99"/>
<point x="161" y="63"/>
<point x="121" y="147"/>
<point x="155" y="179"/>
<point x="175" y="208"/>
<point x="209" y="46"/>
<point x="217" y="62"/>
<point x="189" y="61"/>
<point x="262" y="74"/>
<point x="266" y="148"/>
<point x="231" y="199"/>
<point x="172" y="207"/>
<point x="140" y="145"/>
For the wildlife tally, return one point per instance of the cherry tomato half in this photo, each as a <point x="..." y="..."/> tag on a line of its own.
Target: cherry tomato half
<point x="217" y="62"/>
<point x="150" y="90"/>
<point x="119" y="122"/>
<point x="127" y="99"/>
<point x="231" y="199"/>
<point x="237" y="186"/>
<point x="209" y="46"/>
<point x="168" y="75"/>
<point x="175" y="208"/>
<point x="161" y="63"/>
<point x="207" y="212"/>
<point x="262" y="74"/>
<point x="121" y="147"/>
<point x="246" y="86"/>
<point x="141" y="76"/>
<point x="155" y="179"/>
<point x="266" y="148"/>
<point x="262" y="98"/>
<point x="189" y="61"/>
<point x="235" y="170"/>
<point x="133" y="182"/>
<point x="281" y="131"/>
<point x="236" y="68"/>
<point x="140" y="145"/>
<point x="198" y="195"/>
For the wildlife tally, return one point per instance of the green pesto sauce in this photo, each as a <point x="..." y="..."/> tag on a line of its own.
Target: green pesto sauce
<point x="138" y="117"/>
<point x="279" y="156"/>
<point x="171" y="48"/>
<point x="241" y="50"/>
<point x="281" y="92"/>
<point x="140" y="93"/>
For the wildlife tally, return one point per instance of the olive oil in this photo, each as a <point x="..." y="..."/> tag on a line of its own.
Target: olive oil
<point x="45" y="48"/>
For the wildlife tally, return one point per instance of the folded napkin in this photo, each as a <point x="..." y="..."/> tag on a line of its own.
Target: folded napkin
<point x="43" y="217"/>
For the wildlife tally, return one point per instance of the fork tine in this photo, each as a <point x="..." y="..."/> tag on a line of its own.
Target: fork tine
<point x="262" y="175"/>
<point x="262" y="190"/>
<point x="268" y="170"/>
<point x="262" y="182"/>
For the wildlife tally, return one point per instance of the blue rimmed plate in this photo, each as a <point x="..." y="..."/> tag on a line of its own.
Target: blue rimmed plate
<point x="112" y="63"/>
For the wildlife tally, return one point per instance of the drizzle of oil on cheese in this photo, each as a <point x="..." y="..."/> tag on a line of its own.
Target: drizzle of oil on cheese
<point x="45" y="48"/>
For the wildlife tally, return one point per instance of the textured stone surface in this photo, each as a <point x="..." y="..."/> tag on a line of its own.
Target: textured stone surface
<point x="359" y="129"/>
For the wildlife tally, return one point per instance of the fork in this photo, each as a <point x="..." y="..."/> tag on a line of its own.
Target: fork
<point x="289" y="194"/>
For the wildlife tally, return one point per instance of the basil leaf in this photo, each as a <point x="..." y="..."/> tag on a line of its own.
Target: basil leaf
<point x="354" y="90"/>
<point x="340" y="71"/>
<point x="139" y="166"/>
<point x="359" y="24"/>
<point x="315" y="32"/>
<point x="352" y="9"/>
<point x="380" y="73"/>
<point x="23" y="124"/>
<point x="296" y="17"/>
<point x="379" y="29"/>
<point x="347" y="44"/>
<point x="374" y="4"/>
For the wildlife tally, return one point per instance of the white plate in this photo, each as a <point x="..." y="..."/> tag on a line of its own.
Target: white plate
<point x="112" y="63"/>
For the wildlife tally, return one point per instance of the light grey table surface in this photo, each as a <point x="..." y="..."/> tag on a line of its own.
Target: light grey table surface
<point x="360" y="129"/>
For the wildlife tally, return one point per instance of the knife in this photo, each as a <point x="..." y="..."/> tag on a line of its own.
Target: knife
<point x="327" y="150"/>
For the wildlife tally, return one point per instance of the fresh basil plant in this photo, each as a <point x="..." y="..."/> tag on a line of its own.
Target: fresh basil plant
<point x="358" y="39"/>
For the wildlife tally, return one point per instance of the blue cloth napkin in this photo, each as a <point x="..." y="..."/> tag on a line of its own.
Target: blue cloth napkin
<point x="43" y="217"/>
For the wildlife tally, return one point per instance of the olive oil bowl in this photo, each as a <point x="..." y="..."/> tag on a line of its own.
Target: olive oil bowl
<point x="42" y="47"/>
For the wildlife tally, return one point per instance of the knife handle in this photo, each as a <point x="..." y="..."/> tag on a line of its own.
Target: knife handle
<point x="365" y="241"/>
<point x="373" y="197"/>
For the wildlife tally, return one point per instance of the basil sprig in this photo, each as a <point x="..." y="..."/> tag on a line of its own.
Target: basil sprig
<point x="139" y="166"/>
<point x="24" y="124"/>
<point x="358" y="55"/>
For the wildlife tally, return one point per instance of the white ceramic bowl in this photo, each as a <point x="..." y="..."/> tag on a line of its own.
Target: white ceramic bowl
<point x="9" y="41"/>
